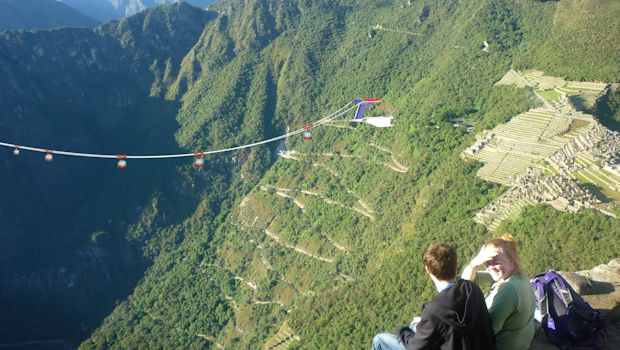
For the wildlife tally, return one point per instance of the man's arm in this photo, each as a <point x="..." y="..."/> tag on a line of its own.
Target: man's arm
<point x="405" y="334"/>
<point x="425" y="337"/>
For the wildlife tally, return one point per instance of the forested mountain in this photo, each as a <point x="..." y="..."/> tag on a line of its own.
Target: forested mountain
<point x="105" y="10"/>
<point x="31" y="14"/>
<point x="322" y="245"/>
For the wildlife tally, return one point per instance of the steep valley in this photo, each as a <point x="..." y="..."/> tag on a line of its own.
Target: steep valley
<point x="312" y="244"/>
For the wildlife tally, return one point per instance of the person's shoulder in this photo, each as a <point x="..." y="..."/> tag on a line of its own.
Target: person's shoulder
<point x="461" y="290"/>
<point x="464" y="281"/>
<point x="468" y="285"/>
<point x="520" y="284"/>
<point x="518" y="281"/>
<point x="509" y="289"/>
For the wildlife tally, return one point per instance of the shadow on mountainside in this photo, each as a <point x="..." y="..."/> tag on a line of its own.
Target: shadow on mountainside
<point x="72" y="244"/>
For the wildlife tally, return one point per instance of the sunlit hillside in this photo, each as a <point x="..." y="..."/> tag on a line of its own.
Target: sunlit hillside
<point x="304" y="243"/>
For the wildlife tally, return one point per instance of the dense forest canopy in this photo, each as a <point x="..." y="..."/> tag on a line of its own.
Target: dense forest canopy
<point x="323" y="244"/>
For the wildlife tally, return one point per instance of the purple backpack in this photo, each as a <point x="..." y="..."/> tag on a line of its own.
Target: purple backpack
<point x="568" y="320"/>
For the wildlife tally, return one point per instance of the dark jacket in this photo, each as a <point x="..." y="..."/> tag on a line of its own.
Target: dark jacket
<point x="457" y="318"/>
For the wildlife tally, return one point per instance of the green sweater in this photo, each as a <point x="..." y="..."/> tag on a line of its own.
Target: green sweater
<point x="511" y="304"/>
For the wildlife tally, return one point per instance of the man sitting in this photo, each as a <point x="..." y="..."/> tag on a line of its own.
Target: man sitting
<point x="457" y="318"/>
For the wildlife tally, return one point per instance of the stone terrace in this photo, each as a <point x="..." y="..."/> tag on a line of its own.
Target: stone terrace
<point x="544" y="153"/>
<point x="525" y="140"/>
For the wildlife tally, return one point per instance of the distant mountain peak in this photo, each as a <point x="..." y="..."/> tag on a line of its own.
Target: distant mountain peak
<point x="105" y="10"/>
<point x="40" y="14"/>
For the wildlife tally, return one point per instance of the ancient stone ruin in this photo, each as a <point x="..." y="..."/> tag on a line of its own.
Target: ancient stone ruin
<point x="546" y="154"/>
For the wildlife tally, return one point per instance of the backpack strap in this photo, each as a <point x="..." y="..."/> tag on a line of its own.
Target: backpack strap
<point x="562" y="291"/>
<point x="539" y="291"/>
<point x="550" y="282"/>
<point x="565" y="289"/>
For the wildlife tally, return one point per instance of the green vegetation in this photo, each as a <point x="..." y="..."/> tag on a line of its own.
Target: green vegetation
<point x="335" y="236"/>
<point x="576" y="44"/>
<point x="550" y="95"/>
<point x="547" y="168"/>
<point x="607" y="109"/>
<point x="542" y="229"/>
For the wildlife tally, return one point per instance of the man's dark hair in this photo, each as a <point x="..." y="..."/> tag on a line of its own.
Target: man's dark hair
<point x="441" y="260"/>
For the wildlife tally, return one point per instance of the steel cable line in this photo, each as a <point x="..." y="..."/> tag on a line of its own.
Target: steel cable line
<point x="330" y="117"/>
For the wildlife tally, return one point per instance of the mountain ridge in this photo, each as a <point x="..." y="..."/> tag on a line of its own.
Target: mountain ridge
<point x="105" y="10"/>
<point x="221" y="258"/>
<point x="40" y="14"/>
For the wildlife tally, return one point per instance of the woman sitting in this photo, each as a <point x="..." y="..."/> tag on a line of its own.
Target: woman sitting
<point x="511" y="301"/>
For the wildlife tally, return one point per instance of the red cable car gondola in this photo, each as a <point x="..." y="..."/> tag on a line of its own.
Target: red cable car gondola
<point x="122" y="163"/>
<point x="199" y="161"/>
<point x="16" y="150"/>
<point x="49" y="157"/>
<point x="307" y="133"/>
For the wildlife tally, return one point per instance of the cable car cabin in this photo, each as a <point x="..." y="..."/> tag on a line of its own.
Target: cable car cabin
<point x="199" y="162"/>
<point x="122" y="163"/>
<point x="49" y="157"/>
<point x="307" y="135"/>
<point x="16" y="151"/>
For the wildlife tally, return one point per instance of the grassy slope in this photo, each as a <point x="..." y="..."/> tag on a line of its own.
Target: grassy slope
<point x="321" y="60"/>
<point x="580" y="43"/>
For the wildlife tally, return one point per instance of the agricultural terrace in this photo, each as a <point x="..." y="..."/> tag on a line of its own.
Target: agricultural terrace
<point x="534" y="139"/>
<point x="282" y="339"/>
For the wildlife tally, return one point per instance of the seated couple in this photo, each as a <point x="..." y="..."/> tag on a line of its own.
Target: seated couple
<point x="460" y="317"/>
